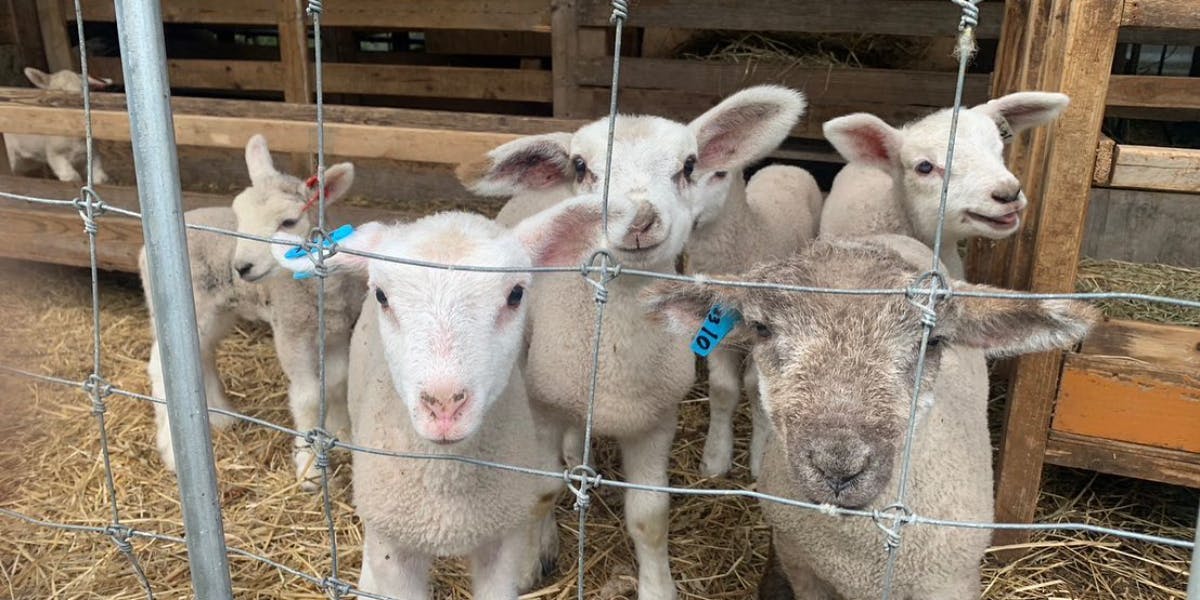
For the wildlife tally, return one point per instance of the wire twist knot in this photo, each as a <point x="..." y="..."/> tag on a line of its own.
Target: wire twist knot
<point x="620" y="11"/>
<point x="319" y="246"/>
<point x="606" y="270"/>
<point x="580" y="479"/>
<point x="890" y="519"/>
<point x="970" y="13"/>
<point x="314" y="8"/>
<point x="99" y="389"/>
<point x="336" y="587"/>
<point x="321" y="442"/>
<point x="936" y="290"/>
<point x="120" y="535"/>
<point x="89" y="205"/>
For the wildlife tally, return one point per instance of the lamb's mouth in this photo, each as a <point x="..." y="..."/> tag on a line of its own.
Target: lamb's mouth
<point x="1005" y="221"/>
<point x="639" y="249"/>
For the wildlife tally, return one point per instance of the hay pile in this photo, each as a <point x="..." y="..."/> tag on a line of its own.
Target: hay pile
<point x="854" y="50"/>
<point x="1141" y="278"/>
<point x="50" y="468"/>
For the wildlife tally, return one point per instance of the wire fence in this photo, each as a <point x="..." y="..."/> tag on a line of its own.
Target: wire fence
<point x="926" y="293"/>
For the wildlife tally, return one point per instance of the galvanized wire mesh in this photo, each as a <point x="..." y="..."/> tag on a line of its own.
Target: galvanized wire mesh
<point x="926" y="292"/>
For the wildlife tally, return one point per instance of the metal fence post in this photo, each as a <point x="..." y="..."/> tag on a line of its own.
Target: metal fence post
<point x="1194" y="579"/>
<point x="143" y="59"/>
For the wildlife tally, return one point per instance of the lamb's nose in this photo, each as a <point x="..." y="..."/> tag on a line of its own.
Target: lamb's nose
<point x="1007" y="194"/>
<point x="444" y="406"/>
<point x="244" y="269"/>
<point x="645" y="219"/>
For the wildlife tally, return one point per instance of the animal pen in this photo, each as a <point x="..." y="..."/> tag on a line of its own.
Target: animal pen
<point x="551" y="66"/>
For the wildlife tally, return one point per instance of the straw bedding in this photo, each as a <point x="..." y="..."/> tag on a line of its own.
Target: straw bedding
<point x="50" y="468"/>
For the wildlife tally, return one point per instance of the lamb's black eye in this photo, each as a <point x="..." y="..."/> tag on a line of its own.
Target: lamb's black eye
<point x="689" y="166"/>
<point x="924" y="167"/>
<point x="287" y="223"/>
<point x="580" y="168"/>
<point x="381" y="297"/>
<point x="934" y="342"/>
<point x="761" y="330"/>
<point x="514" y="296"/>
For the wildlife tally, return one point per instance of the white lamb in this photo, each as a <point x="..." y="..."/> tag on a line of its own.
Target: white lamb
<point x="836" y="375"/>
<point x="62" y="154"/>
<point x="644" y="370"/>
<point x="893" y="181"/>
<point x="434" y="369"/>
<point x="237" y="279"/>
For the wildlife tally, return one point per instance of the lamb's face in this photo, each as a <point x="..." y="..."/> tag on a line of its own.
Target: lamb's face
<point x="653" y="166"/>
<point x="984" y="198"/>
<point x="451" y="338"/>
<point x="263" y="210"/>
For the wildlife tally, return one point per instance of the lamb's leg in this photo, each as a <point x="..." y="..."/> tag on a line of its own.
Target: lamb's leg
<point x="644" y="458"/>
<point x="805" y="584"/>
<point x="495" y="566"/>
<point x="723" y="395"/>
<point x="572" y="445"/>
<point x="965" y="586"/>
<point x="541" y="543"/>
<point x="774" y="584"/>
<point x="62" y="167"/>
<point x="760" y="426"/>
<point x="337" y="356"/>
<point x="98" y="174"/>
<point x="212" y="327"/>
<point x="390" y="570"/>
<point x="297" y="353"/>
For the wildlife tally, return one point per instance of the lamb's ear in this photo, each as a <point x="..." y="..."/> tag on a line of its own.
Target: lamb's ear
<point x="99" y="83"/>
<point x="38" y="77"/>
<point x="338" y="180"/>
<point x="683" y="305"/>
<point x="565" y="234"/>
<point x="1023" y="110"/>
<point x="746" y="126"/>
<point x="258" y="160"/>
<point x="530" y="163"/>
<point x="1004" y="327"/>
<point x="865" y="138"/>
<point x="365" y="238"/>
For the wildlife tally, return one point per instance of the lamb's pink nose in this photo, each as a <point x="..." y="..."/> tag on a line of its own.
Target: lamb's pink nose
<point x="444" y="405"/>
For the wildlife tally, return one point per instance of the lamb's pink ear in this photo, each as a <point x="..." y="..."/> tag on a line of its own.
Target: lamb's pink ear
<point x="866" y="139"/>
<point x="1023" y="110"/>
<point x="338" y="180"/>
<point x="38" y="77"/>
<point x="530" y="163"/>
<point x="746" y="126"/>
<point x="365" y="238"/>
<point x="258" y="160"/>
<point x="99" y="83"/>
<point x="565" y="234"/>
<point x="1005" y="327"/>
<point x="683" y="305"/>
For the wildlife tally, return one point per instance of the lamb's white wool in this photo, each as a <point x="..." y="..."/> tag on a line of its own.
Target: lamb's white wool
<point x="434" y="368"/>
<point x="837" y="376"/>
<point x="669" y="175"/>
<point x="893" y="181"/>
<point x="61" y="154"/>
<point x="236" y="279"/>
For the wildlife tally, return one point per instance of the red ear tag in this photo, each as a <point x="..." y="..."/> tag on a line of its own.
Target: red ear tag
<point x="311" y="183"/>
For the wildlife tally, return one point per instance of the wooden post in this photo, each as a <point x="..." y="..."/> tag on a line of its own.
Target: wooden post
<point x="53" y="22"/>
<point x="564" y="55"/>
<point x="1090" y="36"/>
<point x="297" y="81"/>
<point x="30" y="52"/>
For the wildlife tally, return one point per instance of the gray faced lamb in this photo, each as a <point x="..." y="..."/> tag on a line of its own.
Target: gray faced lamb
<point x="235" y="278"/>
<point x="61" y="154"/>
<point x="893" y="181"/>
<point x="836" y="374"/>
<point x="644" y="370"/>
<point x="434" y="369"/>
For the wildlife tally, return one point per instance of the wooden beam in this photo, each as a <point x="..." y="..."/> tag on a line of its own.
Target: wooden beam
<point x="1142" y="91"/>
<point x="918" y="17"/>
<point x="1156" y="168"/>
<point x="564" y="57"/>
<point x="1170" y="348"/>
<point x="189" y="73"/>
<point x="518" y="15"/>
<point x="55" y="235"/>
<point x="1090" y="39"/>
<point x="822" y="85"/>
<point x="1127" y="460"/>
<point x="1161" y="14"/>
<point x="396" y="134"/>
<point x="52" y="19"/>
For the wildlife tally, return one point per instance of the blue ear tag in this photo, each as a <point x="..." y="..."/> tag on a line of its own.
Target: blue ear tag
<point x="717" y="324"/>
<point x="337" y="235"/>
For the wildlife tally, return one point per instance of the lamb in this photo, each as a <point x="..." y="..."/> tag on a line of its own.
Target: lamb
<point x="236" y="279"/>
<point x="836" y="376"/>
<point x="435" y="369"/>
<point x="26" y="152"/>
<point x="893" y="181"/>
<point x="657" y="165"/>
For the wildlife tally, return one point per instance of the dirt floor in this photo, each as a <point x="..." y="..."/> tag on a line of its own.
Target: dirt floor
<point x="50" y="468"/>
